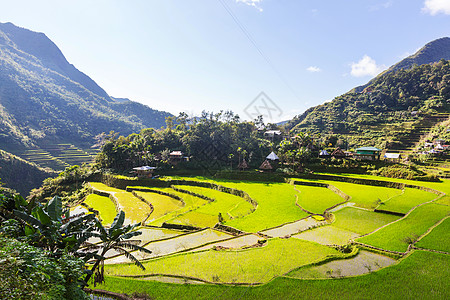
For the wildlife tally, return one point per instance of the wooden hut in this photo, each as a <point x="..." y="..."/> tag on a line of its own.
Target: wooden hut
<point x="266" y="166"/>
<point x="338" y="153"/>
<point x="243" y="165"/>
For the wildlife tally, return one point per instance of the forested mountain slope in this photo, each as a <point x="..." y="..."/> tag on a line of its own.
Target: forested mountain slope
<point x="396" y="99"/>
<point x="44" y="99"/>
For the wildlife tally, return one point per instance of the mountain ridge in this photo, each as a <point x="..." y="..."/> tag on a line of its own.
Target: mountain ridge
<point x="44" y="98"/>
<point x="430" y="53"/>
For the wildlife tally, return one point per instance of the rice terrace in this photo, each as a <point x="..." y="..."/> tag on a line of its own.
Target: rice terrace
<point x="229" y="149"/>
<point x="324" y="237"/>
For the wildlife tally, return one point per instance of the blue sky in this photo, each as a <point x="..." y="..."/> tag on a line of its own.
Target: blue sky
<point x="190" y="55"/>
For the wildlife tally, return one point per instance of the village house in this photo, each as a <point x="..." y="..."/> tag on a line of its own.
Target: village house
<point x="367" y="153"/>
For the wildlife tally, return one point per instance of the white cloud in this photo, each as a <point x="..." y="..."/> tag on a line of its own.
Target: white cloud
<point x="379" y="6"/>
<point x="254" y="3"/>
<point x="313" y="69"/>
<point x="433" y="7"/>
<point x="366" y="67"/>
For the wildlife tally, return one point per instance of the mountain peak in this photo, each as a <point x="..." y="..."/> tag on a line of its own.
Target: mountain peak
<point x="41" y="47"/>
<point x="432" y="52"/>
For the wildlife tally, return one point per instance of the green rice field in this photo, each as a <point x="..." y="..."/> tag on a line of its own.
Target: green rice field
<point x="398" y="236"/>
<point x="301" y="248"/>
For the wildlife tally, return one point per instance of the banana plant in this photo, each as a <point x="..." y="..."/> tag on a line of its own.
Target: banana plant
<point x="117" y="237"/>
<point x="51" y="227"/>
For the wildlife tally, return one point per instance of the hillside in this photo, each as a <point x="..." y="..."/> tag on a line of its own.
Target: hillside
<point x="392" y="111"/>
<point x="20" y="174"/>
<point x="46" y="100"/>
<point x="432" y="52"/>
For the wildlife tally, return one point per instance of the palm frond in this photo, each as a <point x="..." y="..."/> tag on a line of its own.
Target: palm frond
<point x="134" y="247"/>
<point x="130" y="257"/>
<point x="131" y="234"/>
<point x="118" y="220"/>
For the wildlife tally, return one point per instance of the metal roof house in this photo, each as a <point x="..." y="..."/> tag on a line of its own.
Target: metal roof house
<point x="367" y="153"/>
<point x="144" y="171"/>
<point x="395" y="157"/>
<point x="272" y="156"/>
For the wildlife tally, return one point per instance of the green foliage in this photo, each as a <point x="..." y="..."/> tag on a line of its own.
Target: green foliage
<point x="398" y="171"/>
<point x="387" y="103"/>
<point x="397" y="236"/>
<point x="249" y="265"/>
<point x="20" y="174"/>
<point x="115" y="238"/>
<point x="68" y="185"/>
<point x="438" y="238"/>
<point x="209" y="139"/>
<point x="421" y="273"/>
<point x="31" y="273"/>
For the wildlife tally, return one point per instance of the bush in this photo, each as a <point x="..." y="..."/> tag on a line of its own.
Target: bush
<point x="30" y="273"/>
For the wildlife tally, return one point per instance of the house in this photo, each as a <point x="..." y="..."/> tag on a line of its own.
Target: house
<point x="394" y="157"/>
<point x="243" y="165"/>
<point x="144" y="171"/>
<point x="176" y="156"/>
<point x="367" y="153"/>
<point x="272" y="156"/>
<point x="338" y="153"/>
<point x="272" y="133"/>
<point x="266" y="166"/>
<point x="324" y="154"/>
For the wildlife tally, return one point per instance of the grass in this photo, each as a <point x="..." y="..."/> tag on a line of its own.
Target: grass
<point x="224" y="203"/>
<point x="397" y="236"/>
<point x="444" y="200"/>
<point x="104" y="206"/>
<point x="317" y="199"/>
<point x="191" y="203"/>
<point x="196" y="219"/>
<point x="135" y="209"/>
<point x="104" y="188"/>
<point x="251" y="265"/>
<point x="162" y="205"/>
<point x="407" y="200"/>
<point x="438" y="238"/>
<point x="418" y="275"/>
<point x="327" y="235"/>
<point x="361" y="221"/>
<point x="276" y="204"/>
<point x="364" y="196"/>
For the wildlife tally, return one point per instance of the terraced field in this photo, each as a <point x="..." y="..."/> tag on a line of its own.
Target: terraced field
<point x="280" y="240"/>
<point x="59" y="156"/>
<point x="317" y="199"/>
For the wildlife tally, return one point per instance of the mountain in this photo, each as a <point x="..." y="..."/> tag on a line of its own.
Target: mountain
<point x="394" y="109"/>
<point x="20" y="174"/>
<point x="46" y="100"/>
<point x="432" y="52"/>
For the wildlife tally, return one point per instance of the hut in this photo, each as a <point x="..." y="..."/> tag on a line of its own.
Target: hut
<point x="144" y="171"/>
<point x="266" y="166"/>
<point x="338" y="153"/>
<point x="243" y="165"/>
<point x="324" y="154"/>
<point x="272" y="156"/>
<point x="393" y="157"/>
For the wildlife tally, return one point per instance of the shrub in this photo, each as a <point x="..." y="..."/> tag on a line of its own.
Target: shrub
<point x="31" y="273"/>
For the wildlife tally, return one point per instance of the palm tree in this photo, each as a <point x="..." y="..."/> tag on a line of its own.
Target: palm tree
<point x="51" y="227"/>
<point x="113" y="238"/>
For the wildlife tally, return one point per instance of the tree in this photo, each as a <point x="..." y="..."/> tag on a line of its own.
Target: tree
<point x="51" y="228"/>
<point x="114" y="238"/>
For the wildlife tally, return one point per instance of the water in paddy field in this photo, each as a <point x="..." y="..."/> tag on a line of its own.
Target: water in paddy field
<point x="97" y="297"/>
